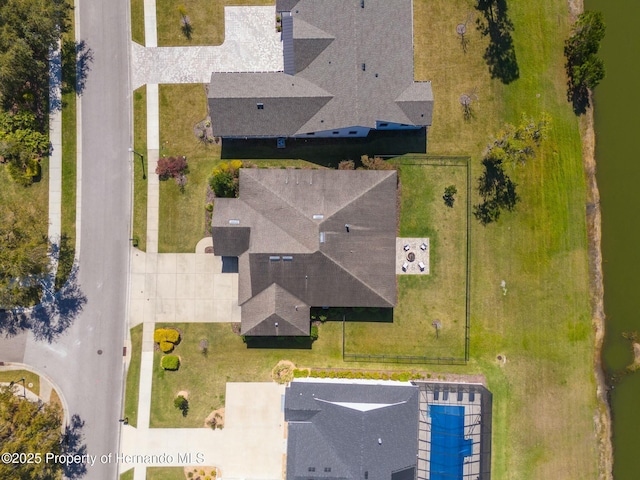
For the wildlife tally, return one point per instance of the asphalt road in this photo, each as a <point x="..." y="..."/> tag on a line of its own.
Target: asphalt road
<point x="86" y="362"/>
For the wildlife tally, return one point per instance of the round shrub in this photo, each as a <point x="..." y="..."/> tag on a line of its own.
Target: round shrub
<point x="166" y="347"/>
<point x="170" y="362"/>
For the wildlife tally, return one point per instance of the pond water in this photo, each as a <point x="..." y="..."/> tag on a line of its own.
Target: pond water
<point x="618" y="159"/>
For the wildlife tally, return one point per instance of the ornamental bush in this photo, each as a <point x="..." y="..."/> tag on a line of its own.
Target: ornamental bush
<point x="170" y="362"/>
<point x="170" y="335"/>
<point x="166" y="347"/>
<point x="171" y="167"/>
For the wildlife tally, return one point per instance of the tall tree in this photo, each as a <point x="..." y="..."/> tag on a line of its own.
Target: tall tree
<point x="23" y="255"/>
<point x="584" y="68"/>
<point x="29" y="29"/>
<point x="30" y="428"/>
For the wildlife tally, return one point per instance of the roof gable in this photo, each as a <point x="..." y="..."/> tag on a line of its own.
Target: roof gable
<point x="346" y="440"/>
<point x="359" y="54"/>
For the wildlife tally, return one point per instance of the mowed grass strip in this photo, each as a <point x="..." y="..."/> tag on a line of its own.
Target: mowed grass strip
<point x="165" y="473"/>
<point x="140" y="167"/>
<point x="132" y="386"/>
<point x="206" y="18"/>
<point x="440" y="295"/>
<point x="137" y="21"/>
<point x="544" y="395"/>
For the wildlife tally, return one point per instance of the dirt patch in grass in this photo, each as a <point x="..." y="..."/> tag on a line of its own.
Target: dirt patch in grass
<point x="215" y="419"/>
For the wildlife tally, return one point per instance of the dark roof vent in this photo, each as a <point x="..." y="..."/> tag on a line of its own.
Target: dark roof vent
<point x="260" y="106"/>
<point x="364" y="67"/>
<point x="361" y="3"/>
<point x="287" y="258"/>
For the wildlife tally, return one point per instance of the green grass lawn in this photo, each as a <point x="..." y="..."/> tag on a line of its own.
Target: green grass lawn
<point x="137" y="21"/>
<point x="207" y="21"/>
<point x="544" y="396"/>
<point x="439" y="295"/>
<point x="133" y="377"/>
<point x="165" y="473"/>
<point x="140" y="169"/>
<point x="128" y="475"/>
<point x="9" y="376"/>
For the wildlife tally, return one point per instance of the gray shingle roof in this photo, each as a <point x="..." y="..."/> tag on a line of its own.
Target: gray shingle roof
<point x="360" y="61"/>
<point x="343" y="430"/>
<point x="275" y="312"/>
<point x="298" y="240"/>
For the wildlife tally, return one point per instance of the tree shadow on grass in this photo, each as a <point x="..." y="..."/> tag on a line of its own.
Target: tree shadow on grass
<point x="328" y="152"/>
<point x="72" y="444"/>
<point x="500" y="54"/>
<point x="51" y="317"/>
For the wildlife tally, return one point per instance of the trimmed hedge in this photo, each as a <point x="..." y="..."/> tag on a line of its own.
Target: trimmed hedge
<point x="170" y="335"/>
<point x="399" y="376"/>
<point x="170" y="362"/>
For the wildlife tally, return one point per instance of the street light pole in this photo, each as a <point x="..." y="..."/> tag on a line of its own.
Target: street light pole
<point x="144" y="175"/>
<point x="24" y="387"/>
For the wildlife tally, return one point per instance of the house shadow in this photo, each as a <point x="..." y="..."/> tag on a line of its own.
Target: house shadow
<point x="353" y="314"/>
<point x="328" y="152"/>
<point x="289" y="343"/>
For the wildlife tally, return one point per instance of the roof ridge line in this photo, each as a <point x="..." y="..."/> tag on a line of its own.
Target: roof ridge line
<point x="294" y="207"/>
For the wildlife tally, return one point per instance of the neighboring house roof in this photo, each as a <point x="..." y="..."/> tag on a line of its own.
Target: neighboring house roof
<point x="346" y="63"/>
<point x="291" y="233"/>
<point x="351" y="430"/>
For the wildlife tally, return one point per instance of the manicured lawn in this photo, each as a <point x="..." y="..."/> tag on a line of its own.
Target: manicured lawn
<point x="140" y="169"/>
<point x="128" y="475"/>
<point x="207" y="21"/>
<point x="137" y="21"/>
<point x="15" y="376"/>
<point x="182" y="214"/>
<point x="133" y="377"/>
<point x="165" y="473"/>
<point x="437" y="296"/>
<point x="544" y="396"/>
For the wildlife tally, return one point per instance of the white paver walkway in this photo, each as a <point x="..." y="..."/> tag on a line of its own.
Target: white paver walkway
<point x="251" y="44"/>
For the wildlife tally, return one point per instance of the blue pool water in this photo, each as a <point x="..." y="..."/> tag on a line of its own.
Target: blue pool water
<point x="448" y="445"/>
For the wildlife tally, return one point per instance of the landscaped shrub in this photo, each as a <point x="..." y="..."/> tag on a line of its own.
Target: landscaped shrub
<point x="300" y="373"/>
<point x="166" y="347"/>
<point x="169" y="167"/>
<point x="347" y="165"/>
<point x="170" y="362"/>
<point x="182" y="404"/>
<point x="314" y="333"/>
<point x="166" y="335"/>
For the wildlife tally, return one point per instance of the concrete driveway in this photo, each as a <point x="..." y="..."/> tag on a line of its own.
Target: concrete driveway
<point x="181" y="287"/>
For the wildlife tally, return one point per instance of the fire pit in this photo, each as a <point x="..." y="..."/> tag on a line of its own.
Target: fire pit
<point x="411" y="256"/>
